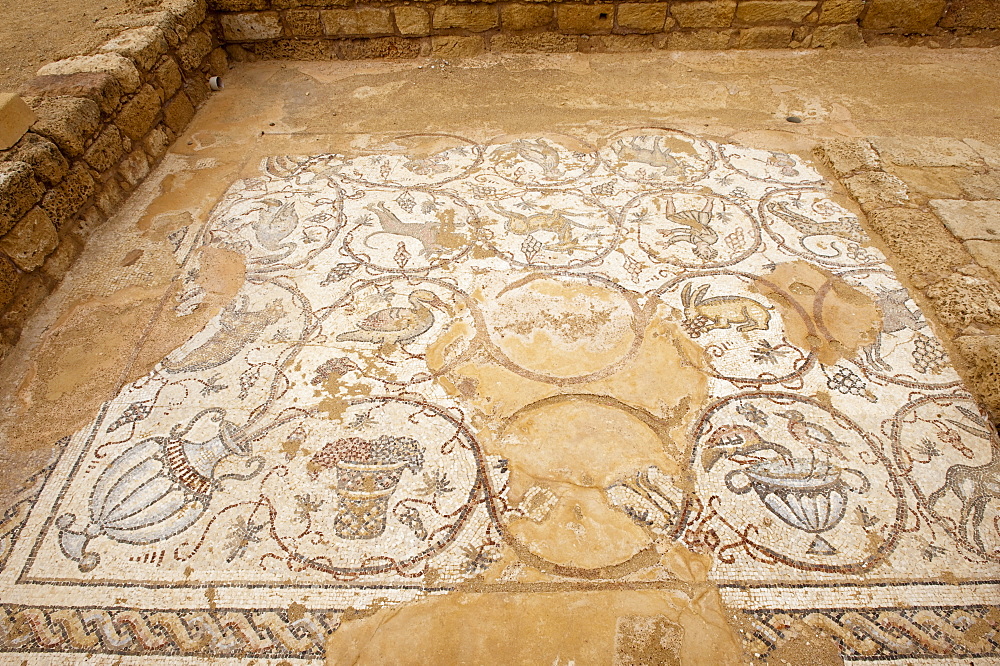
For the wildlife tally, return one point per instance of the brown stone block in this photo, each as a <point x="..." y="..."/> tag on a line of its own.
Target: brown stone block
<point x="319" y="4"/>
<point x="905" y="16"/>
<point x="217" y="62"/>
<point x="168" y="77"/>
<point x="357" y="21"/>
<point x="542" y="42"/>
<point x="846" y="36"/>
<point x="379" y="47"/>
<point x="157" y="141"/>
<point x="236" y="5"/>
<point x="196" y="87"/>
<point x="972" y="14"/>
<point x="926" y="151"/>
<point x="286" y="49"/>
<point x="178" y="112"/>
<point x="454" y="46"/>
<point x="139" y="115"/>
<point x="9" y="277"/>
<point x="586" y="19"/>
<point x="704" y="13"/>
<point x="68" y="121"/>
<point x="774" y="11"/>
<point x="849" y="155"/>
<point x="134" y="168"/>
<point x="43" y="156"/>
<point x="115" y="64"/>
<point x="251" y="26"/>
<point x="919" y="243"/>
<point x="841" y="11"/>
<point x="31" y="240"/>
<point x="616" y="43"/>
<point x="877" y="189"/>
<point x="15" y="119"/>
<point x="62" y="203"/>
<point x="476" y="18"/>
<point x="765" y="37"/>
<point x="962" y="300"/>
<point x="100" y="87"/>
<point x="525" y="17"/>
<point x="145" y="46"/>
<point x="412" y="21"/>
<point x="193" y="51"/>
<point x="19" y="191"/>
<point x="304" y="23"/>
<point x="979" y="39"/>
<point x="106" y="150"/>
<point x="980" y="358"/>
<point x="642" y="17"/>
<point x="188" y="14"/>
<point x="698" y="40"/>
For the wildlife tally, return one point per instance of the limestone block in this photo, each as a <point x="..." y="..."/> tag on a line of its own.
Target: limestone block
<point x="616" y="43"/>
<point x="236" y="5"/>
<point x="926" y="151"/>
<point x="642" y="17"/>
<point x="765" y="37"/>
<point x="19" y="191"/>
<point x="849" y="155"/>
<point x="699" y="40"/>
<point x="304" y="22"/>
<point x="68" y="121"/>
<point x="477" y="18"/>
<point x="15" y="119"/>
<point x="847" y="35"/>
<point x="9" y="277"/>
<point x="358" y="21"/>
<point x="217" y="61"/>
<point x="877" y="189"/>
<point x="144" y="46"/>
<point x="774" y="11"/>
<point x="412" y="21"/>
<point x="541" y="42"/>
<point x="106" y="150"/>
<point x="965" y="300"/>
<point x="134" y="167"/>
<point x="980" y="355"/>
<point x="44" y="157"/>
<point x="115" y="64"/>
<point x="168" y="77"/>
<point x="31" y="240"/>
<point x="841" y="11"/>
<point x="379" y="47"/>
<point x="157" y="141"/>
<point x="905" y="16"/>
<point x="178" y="112"/>
<point x="970" y="220"/>
<point x="972" y="14"/>
<point x="704" y="13"/>
<point x="100" y="87"/>
<point x="193" y="51"/>
<point x="981" y="185"/>
<point x="454" y="46"/>
<point x="989" y="154"/>
<point x="986" y="254"/>
<point x="62" y="203"/>
<point x="188" y="14"/>
<point x="250" y="26"/>
<point x="525" y="17"/>
<point x="586" y="19"/>
<point x="139" y="115"/>
<point x="919" y="242"/>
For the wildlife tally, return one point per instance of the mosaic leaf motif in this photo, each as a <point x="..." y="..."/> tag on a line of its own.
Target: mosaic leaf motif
<point x="344" y="425"/>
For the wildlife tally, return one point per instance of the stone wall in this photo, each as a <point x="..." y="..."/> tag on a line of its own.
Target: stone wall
<point x="346" y="29"/>
<point x="104" y="120"/>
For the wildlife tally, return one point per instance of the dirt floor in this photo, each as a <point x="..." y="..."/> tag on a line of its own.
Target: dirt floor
<point x="36" y="32"/>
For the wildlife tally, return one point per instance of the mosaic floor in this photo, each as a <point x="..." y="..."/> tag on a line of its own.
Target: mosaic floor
<point x="534" y="359"/>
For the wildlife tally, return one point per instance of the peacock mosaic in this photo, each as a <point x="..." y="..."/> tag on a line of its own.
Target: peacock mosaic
<point x="452" y="359"/>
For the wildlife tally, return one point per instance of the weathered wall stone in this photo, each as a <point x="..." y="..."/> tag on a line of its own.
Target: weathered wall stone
<point x="30" y="241"/>
<point x="115" y="64"/>
<point x="586" y="19"/>
<point x="704" y="13"/>
<point x="101" y="87"/>
<point x="364" y="21"/>
<point x="765" y="37"/>
<point x="19" y="191"/>
<point x="106" y="150"/>
<point x="972" y="14"/>
<point x="525" y="17"/>
<point x="846" y="35"/>
<point x="139" y="115"/>
<point x="540" y="42"/>
<point x="168" y="77"/>
<point x="642" y="17"/>
<point x="143" y="45"/>
<point x="63" y="202"/>
<point x="477" y="18"/>
<point x="906" y="16"/>
<point x="193" y="51"/>
<point x="43" y="156"/>
<point x="178" y="112"/>
<point x="250" y="26"/>
<point x="68" y="121"/>
<point x="841" y="11"/>
<point x="774" y="11"/>
<point x="304" y="22"/>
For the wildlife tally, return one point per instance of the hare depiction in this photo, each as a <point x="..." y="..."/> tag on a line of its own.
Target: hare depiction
<point x="745" y="314"/>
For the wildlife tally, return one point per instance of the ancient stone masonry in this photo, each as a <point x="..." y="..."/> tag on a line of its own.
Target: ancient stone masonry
<point x="348" y="29"/>
<point x="104" y="119"/>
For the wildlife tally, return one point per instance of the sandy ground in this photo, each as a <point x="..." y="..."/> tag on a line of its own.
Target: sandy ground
<point x="35" y="32"/>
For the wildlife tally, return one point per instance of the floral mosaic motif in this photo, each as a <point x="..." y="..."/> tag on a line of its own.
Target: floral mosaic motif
<point x="337" y="432"/>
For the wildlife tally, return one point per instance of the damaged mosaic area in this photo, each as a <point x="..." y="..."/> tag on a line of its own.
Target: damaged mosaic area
<point x="535" y="359"/>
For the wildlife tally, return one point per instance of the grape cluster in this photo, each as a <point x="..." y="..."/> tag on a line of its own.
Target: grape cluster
<point x="695" y="327"/>
<point x="928" y="354"/>
<point x="847" y="381"/>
